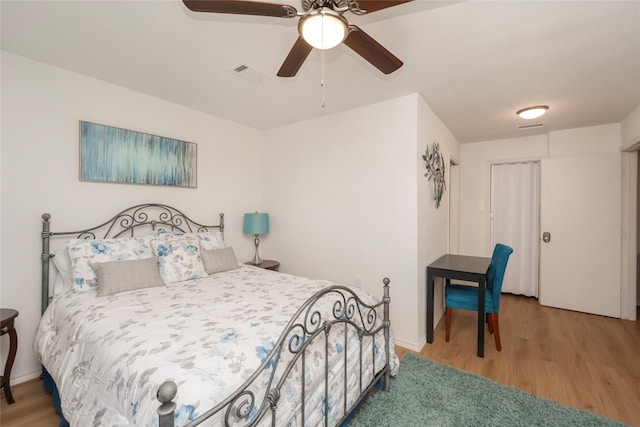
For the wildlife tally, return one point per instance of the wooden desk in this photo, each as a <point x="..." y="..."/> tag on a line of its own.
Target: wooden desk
<point x="7" y="317"/>
<point x="460" y="267"/>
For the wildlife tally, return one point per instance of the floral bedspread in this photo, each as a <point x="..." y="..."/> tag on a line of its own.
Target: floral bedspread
<point x="109" y="355"/>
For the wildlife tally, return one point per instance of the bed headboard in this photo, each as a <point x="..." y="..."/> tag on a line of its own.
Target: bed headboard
<point x="124" y="223"/>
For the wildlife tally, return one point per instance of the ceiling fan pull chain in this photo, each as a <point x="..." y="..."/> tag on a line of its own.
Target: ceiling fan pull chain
<point x="322" y="75"/>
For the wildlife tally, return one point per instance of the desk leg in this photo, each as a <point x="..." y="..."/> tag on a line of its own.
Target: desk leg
<point x="430" y="286"/>
<point x="482" y="285"/>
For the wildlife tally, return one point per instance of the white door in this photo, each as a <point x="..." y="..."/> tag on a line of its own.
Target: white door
<point x="581" y="209"/>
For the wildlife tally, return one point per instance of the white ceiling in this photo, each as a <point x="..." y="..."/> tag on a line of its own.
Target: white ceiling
<point x="474" y="62"/>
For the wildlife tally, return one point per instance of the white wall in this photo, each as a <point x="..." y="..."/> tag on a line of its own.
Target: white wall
<point x="631" y="130"/>
<point x="475" y="180"/>
<point x="475" y="185"/>
<point x="347" y="200"/>
<point x="41" y="107"/>
<point x="347" y="194"/>
<point x="433" y="224"/>
<point x="585" y="141"/>
<point x="341" y="194"/>
<point x="476" y="166"/>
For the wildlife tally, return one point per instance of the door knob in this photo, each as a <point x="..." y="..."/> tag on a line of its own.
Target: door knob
<point x="546" y="237"/>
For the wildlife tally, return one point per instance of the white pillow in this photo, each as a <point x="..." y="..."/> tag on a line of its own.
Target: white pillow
<point x="62" y="262"/>
<point x="178" y="257"/>
<point x="211" y="240"/>
<point x="208" y="239"/>
<point x="84" y="252"/>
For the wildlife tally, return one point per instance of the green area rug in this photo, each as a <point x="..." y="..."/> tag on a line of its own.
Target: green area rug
<point x="426" y="393"/>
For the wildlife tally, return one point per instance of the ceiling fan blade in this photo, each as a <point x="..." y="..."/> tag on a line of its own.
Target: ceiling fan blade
<point x="295" y="59"/>
<point x="374" y="5"/>
<point x="364" y="45"/>
<point x="242" y="7"/>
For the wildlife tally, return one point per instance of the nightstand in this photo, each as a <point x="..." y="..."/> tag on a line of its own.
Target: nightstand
<point x="267" y="264"/>
<point x="7" y="317"/>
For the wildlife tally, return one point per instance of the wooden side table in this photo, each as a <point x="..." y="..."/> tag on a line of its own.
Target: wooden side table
<point x="7" y="317"/>
<point x="267" y="264"/>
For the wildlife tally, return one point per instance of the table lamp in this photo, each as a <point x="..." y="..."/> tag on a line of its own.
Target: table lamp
<point x="256" y="224"/>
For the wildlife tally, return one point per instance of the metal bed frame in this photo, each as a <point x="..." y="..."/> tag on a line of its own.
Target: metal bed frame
<point x="308" y="323"/>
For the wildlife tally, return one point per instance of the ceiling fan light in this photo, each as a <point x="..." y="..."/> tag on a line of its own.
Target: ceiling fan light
<point x="323" y="28"/>
<point x="530" y="113"/>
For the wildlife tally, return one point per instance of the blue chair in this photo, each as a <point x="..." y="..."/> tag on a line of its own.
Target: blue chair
<point x="466" y="297"/>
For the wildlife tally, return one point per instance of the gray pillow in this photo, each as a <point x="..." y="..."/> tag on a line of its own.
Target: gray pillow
<point x="121" y="276"/>
<point x="218" y="260"/>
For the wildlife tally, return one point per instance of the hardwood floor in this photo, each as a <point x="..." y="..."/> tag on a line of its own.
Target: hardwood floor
<point x="32" y="408"/>
<point x="579" y="360"/>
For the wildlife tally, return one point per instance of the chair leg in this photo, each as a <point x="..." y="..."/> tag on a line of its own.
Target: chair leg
<point x="496" y="330"/>
<point x="490" y="322"/>
<point x="447" y="324"/>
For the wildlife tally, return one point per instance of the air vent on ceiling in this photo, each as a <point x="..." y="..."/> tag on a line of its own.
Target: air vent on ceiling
<point x="531" y="126"/>
<point x="247" y="73"/>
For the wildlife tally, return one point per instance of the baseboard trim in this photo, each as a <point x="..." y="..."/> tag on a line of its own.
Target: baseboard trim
<point x="25" y="377"/>
<point x="411" y="346"/>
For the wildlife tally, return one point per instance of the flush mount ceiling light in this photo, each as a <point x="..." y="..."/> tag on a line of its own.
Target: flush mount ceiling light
<point x="532" y="112"/>
<point x="323" y="28"/>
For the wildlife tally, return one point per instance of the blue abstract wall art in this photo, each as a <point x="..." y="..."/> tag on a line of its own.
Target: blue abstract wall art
<point x="110" y="154"/>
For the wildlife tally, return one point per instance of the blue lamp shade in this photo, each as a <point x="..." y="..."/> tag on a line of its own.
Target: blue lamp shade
<point x="256" y="223"/>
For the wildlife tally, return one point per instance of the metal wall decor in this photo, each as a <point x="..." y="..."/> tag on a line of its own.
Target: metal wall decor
<point x="435" y="171"/>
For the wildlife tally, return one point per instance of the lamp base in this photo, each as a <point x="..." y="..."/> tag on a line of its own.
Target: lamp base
<point x="256" y="259"/>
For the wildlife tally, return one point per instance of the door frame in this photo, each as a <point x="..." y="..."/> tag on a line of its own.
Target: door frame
<point x="628" y="288"/>
<point x="454" y="206"/>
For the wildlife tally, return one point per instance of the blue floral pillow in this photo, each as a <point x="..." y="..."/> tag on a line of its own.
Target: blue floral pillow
<point x="178" y="257"/>
<point x="84" y="252"/>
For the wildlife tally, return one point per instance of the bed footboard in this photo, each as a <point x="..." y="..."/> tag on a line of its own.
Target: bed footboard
<point x="249" y="405"/>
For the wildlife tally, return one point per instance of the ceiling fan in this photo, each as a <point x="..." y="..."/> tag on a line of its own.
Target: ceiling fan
<point x="321" y="25"/>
